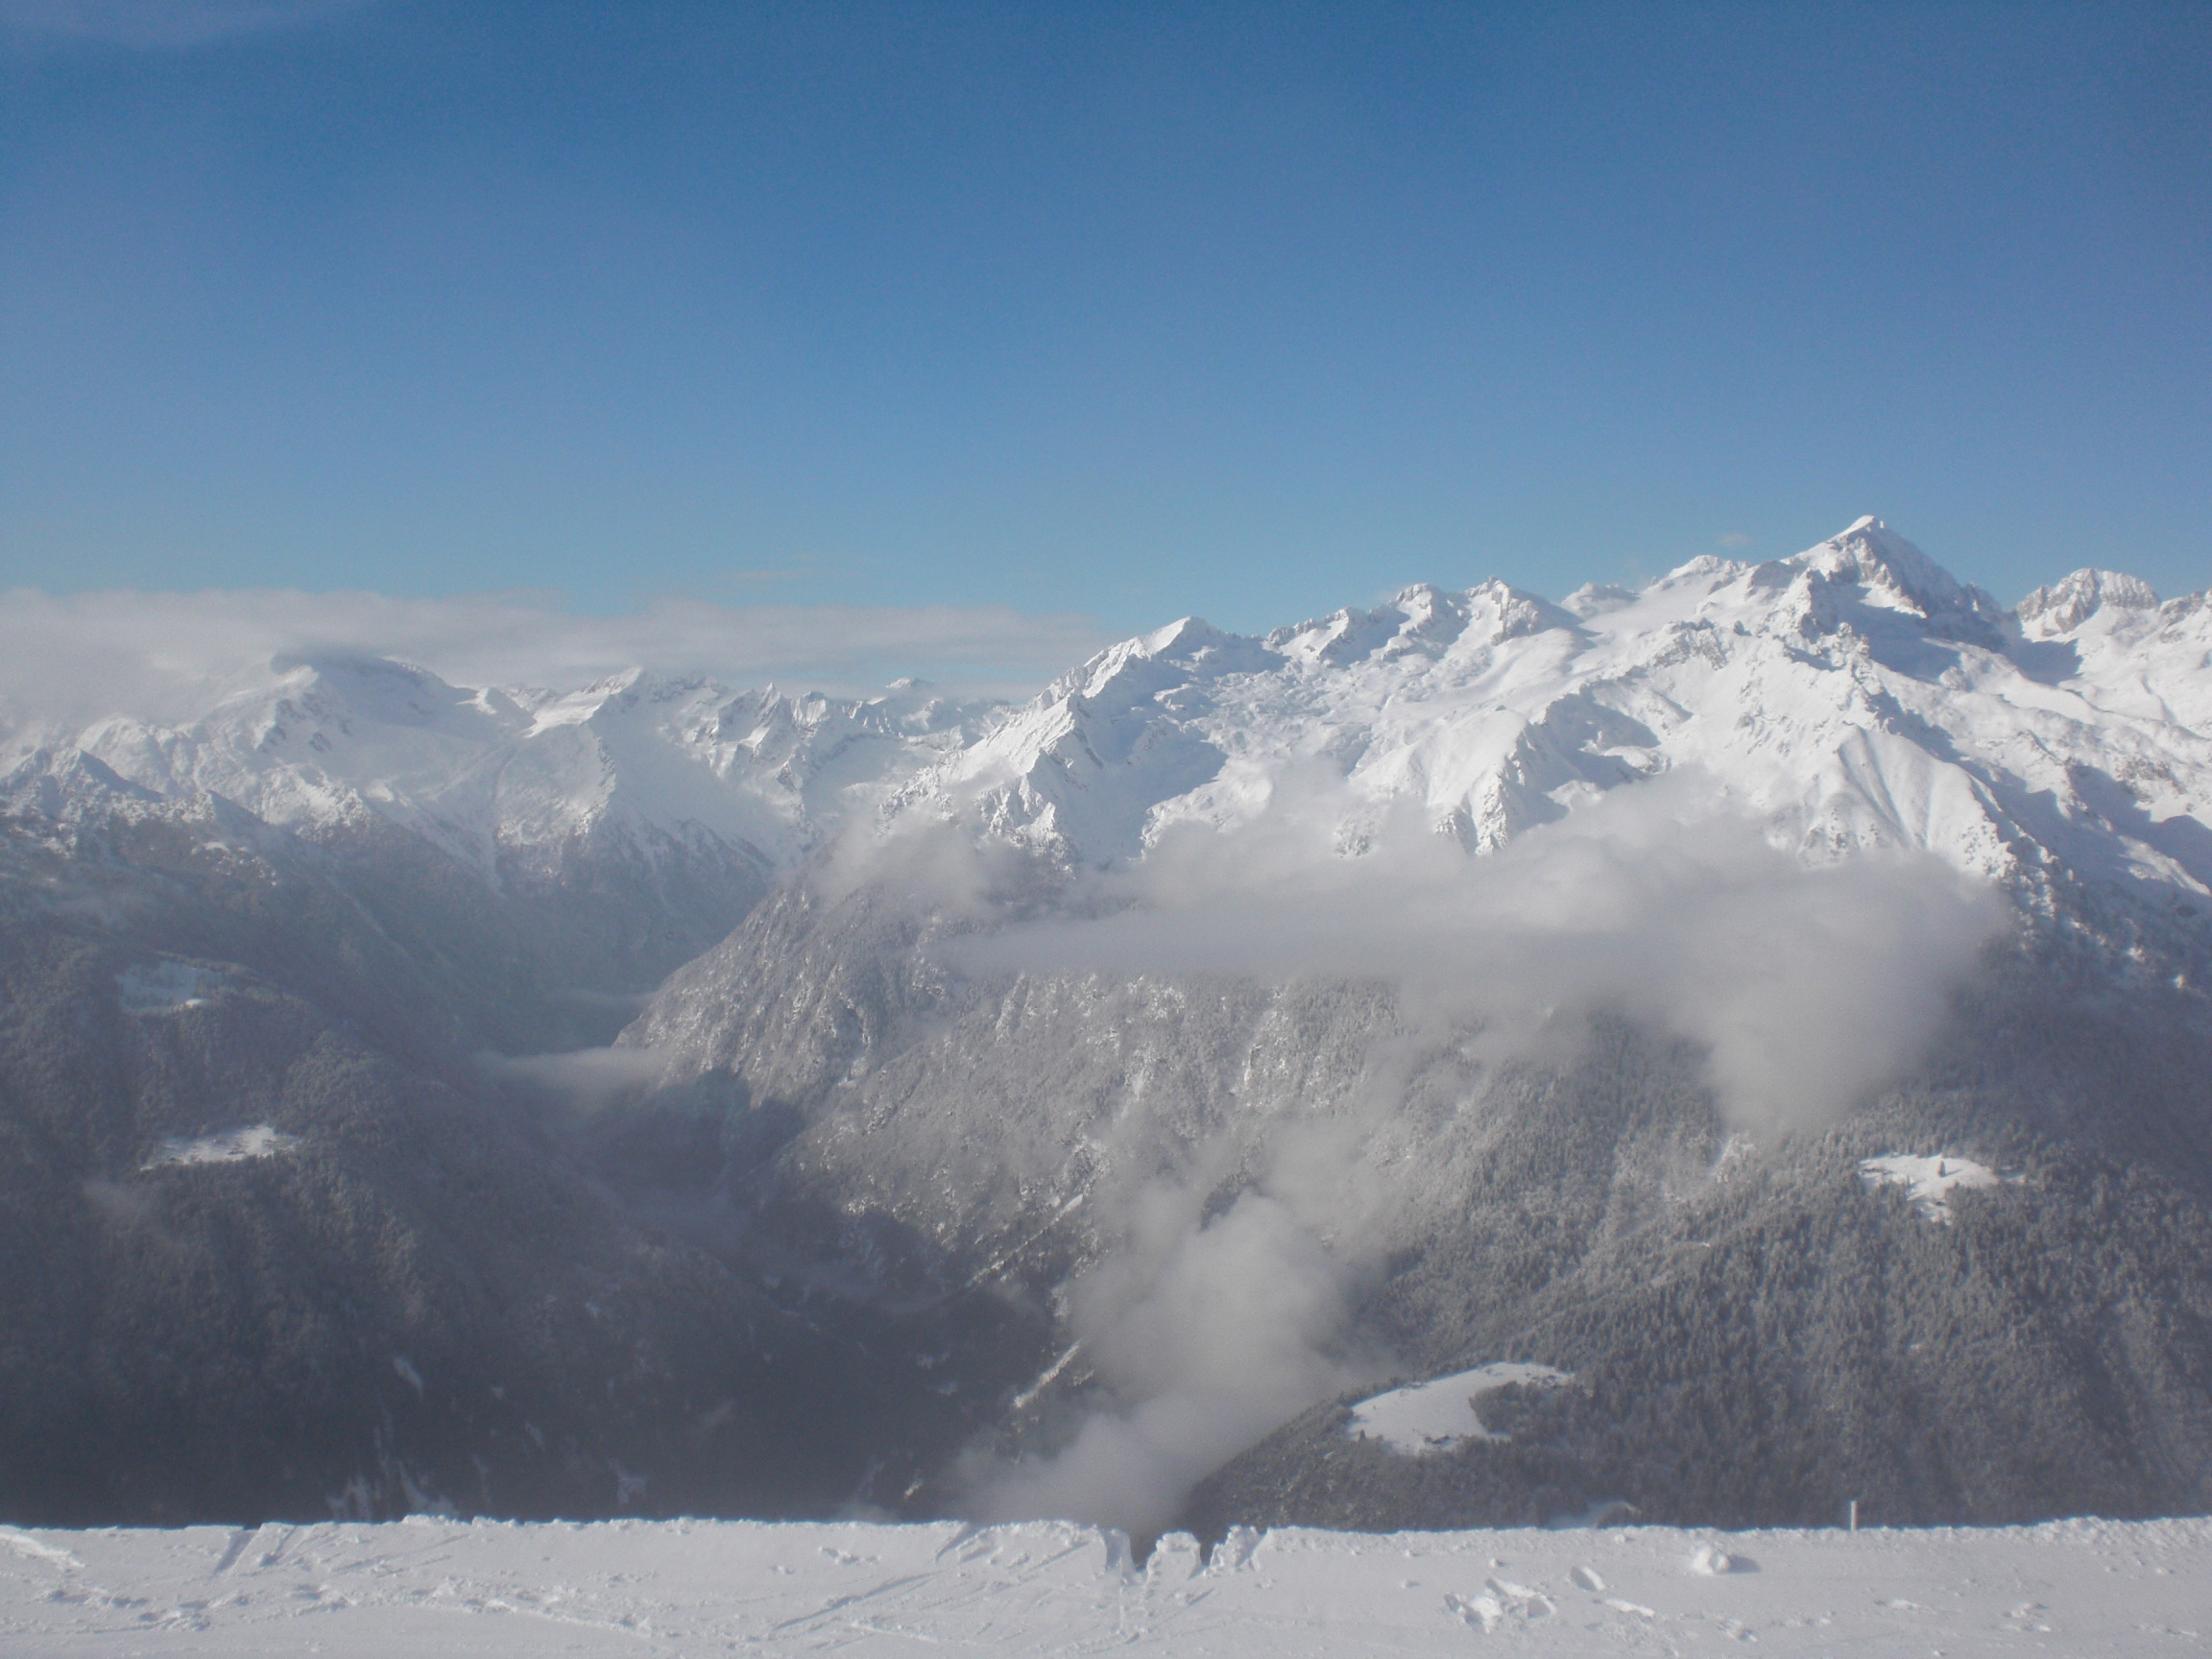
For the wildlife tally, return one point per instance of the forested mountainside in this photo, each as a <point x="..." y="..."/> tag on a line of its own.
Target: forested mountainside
<point x="1770" y="1003"/>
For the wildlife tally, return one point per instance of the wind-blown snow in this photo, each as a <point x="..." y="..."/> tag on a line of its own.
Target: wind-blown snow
<point x="688" y="1588"/>
<point x="1928" y="1181"/>
<point x="1437" y="1415"/>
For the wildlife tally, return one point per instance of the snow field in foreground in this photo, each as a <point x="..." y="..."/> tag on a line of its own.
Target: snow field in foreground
<point x="698" y="1587"/>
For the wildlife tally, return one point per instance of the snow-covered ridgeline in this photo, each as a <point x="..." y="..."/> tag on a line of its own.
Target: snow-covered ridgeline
<point x="1856" y="693"/>
<point x="316" y="745"/>
<point x="1046" y="1588"/>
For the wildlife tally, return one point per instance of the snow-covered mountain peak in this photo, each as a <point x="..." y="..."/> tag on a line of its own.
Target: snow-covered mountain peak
<point x="1127" y="673"/>
<point x="56" y="784"/>
<point x="1857" y="694"/>
<point x="1595" y="598"/>
<point x="1706" y="569"/>
<point x="2064" y="605"/>
<point x="341" y="687"/>
<point x="331" y="743"/>
<point x="1881" y="570"/>
<point x="1423" y="619"/>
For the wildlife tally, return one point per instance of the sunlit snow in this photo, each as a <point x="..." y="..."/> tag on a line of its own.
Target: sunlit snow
<point x="1437" y="1415"/>
<point x="165" y="987"/>
<point x="696" y="1587"/>
<point x="230" y="1146"/>
<point x="1928" y="1182"/>
<point x="1856" y="692"/>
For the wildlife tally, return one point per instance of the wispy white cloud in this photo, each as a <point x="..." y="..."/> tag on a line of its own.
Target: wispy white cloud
<point x="1212" y="1330"/>
<point x="155" y="25"/>
<point x="75" y="657"/>
<point x="583" y="1078"/>
<point x="1809" y="986"/>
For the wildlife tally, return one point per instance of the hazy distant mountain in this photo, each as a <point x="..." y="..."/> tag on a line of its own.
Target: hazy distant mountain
<point x="1772" y="998"/>
<point x="289" y="1230"/>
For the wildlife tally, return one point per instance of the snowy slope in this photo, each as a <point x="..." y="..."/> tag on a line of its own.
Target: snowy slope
<point x="682" y="1588"/>
<point x="940" y="1125"/>
<point x="1439" y="1414"/>
<point x="1468" y="1094"/>
<point x="495" y="773"/>
<point x="1856" y="694"/>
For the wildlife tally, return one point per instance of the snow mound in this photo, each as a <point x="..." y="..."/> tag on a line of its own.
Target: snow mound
<point x="230" y="1146"/>
<point x="1929" y="1180"/>
<point x="166" y="987"/>
<point x="1709" y="1561"/>
<point x="1502" y="1601"/>
<point x="1437" y="1415"/>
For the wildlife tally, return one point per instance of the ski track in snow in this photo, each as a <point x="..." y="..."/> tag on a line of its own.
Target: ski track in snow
<point x="694" y="1587"/>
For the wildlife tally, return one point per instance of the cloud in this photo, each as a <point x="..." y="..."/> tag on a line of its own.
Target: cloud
<point x="1214" y="1330"/>
<point x="1734" y="540"/>
<point x="583" y="1079"/>
<point x="167" y="656"/>
<point x="1809" y="986"/>
<point x="155" y="25"/>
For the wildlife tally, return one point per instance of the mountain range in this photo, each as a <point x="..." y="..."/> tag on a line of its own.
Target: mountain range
<point x="1762" y="1012"/>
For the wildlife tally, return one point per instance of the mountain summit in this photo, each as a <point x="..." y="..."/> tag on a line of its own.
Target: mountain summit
<point x="1856" y="695"/>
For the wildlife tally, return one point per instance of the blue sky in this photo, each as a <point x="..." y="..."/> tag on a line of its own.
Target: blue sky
<point x="1121" y="310"/>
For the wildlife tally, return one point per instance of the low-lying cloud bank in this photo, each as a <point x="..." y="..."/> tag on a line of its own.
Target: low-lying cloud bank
<point x="168" y="657"/>
<point x="1808" y="985"/>
<point x="583" y="1078"/>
